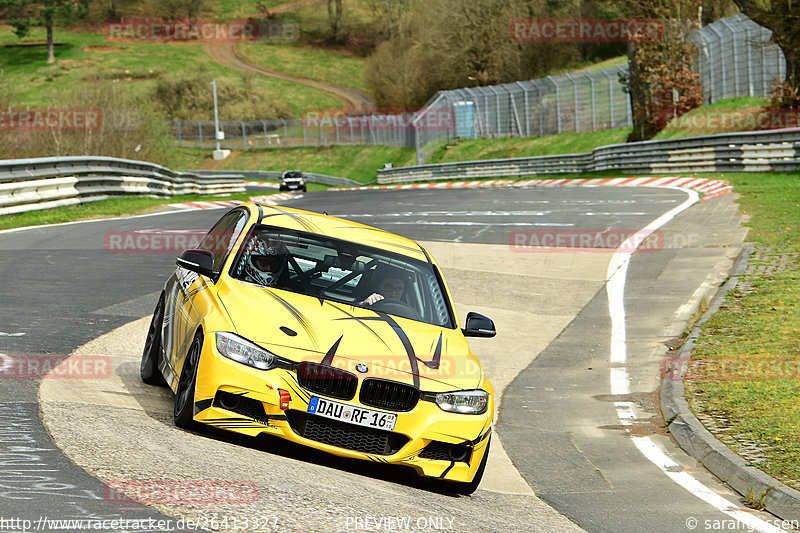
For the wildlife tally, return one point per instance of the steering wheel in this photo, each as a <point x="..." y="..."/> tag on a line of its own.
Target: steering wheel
<point x="397" y="307"/>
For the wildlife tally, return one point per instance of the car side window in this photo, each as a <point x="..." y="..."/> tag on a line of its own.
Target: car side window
<point x="223" y="235"/>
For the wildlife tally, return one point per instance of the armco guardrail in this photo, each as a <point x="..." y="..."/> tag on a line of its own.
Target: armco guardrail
<point x="42" y="183"/>
<point x="777" y="150"/>
<point x="270" y="175"/>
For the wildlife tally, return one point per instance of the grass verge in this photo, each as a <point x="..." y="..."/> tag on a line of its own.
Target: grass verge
<point x="357" y="162"/>
<point x="752" y="398"/>
<point x="117" y="207"/>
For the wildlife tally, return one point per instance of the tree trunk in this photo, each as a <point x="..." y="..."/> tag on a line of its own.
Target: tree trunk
<point x="51" y="56"/>
<point x="792" y="55"/>
<point x="643" y="128"/>
<point x="335" y="16"/>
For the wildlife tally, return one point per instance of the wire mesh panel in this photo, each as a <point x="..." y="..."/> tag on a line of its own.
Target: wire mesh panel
<point x="735" y="57"/>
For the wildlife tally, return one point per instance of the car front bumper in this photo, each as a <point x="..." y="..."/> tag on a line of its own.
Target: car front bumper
<point x="238" y="398"/>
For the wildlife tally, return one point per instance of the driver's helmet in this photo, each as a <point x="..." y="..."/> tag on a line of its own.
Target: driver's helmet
<point x="266" y="262"/>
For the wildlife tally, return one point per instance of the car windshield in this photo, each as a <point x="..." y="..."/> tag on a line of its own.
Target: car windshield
<point x="344" y="272"/>
<point x="292" y="175"/>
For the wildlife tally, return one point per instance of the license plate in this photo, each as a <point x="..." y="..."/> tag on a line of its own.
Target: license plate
<point x="354" y="415"/>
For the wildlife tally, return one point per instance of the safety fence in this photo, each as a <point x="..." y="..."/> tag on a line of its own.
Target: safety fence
<point x="337" y="129"/>
<point x="736" y="57"/>
<point x="42" y="183"/>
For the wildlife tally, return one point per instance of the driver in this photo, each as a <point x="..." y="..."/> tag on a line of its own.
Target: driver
<point x="266" y="264"/>
<point x="390" y="286"/>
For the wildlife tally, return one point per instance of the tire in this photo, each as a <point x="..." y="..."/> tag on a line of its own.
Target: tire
<point x="465" y="489"/>
<point x="148" y="369"/>
<point x="183" y="414"/>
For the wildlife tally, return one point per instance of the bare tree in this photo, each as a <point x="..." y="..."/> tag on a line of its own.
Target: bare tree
<point x="652" y="66"/>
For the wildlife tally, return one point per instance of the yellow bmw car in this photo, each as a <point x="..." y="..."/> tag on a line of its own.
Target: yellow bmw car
<point x="328" y="333"/>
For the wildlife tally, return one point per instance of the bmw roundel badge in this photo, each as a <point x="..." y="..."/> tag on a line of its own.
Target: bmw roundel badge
<point x="361" y="367"/>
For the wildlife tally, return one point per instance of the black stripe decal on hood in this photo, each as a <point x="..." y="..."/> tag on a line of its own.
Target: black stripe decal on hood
<point x="328" y="359"/>
<point x="437" y="355"/>
<point x="412" y="358"/>
<point x="351" y="316"/>
<point x="300" y="219"/>
<point x="312" y="334"/>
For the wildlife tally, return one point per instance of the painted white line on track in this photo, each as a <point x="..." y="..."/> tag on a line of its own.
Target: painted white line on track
<point x="76" y="222"/>
<point x="620" y="380"/>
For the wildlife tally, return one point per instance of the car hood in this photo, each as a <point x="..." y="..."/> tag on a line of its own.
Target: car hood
<point x="361" y="341"/>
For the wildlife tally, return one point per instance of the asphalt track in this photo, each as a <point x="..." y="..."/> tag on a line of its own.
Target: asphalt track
<point x="61" y="289"/>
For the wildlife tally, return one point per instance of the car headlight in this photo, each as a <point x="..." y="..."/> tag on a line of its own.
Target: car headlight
<point x="471" y="402"/>
<point x="243" y="351"/>
<point x="301" y="182"/>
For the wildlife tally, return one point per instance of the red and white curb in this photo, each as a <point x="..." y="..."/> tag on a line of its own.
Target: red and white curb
<point x="270" y="184"/>
<point x="711" y="188"/>
<point x="270" y="199"/>
<point x="216" y="204"/>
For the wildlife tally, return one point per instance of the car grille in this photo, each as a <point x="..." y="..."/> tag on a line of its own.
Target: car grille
<point x="343" y="435"/>
<point x="242" y="405"/>
<point x="327" y="380"/>
<point x="389" y="395"/>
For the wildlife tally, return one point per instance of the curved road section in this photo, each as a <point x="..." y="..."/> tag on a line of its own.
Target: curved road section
<point x="560" y="431"/>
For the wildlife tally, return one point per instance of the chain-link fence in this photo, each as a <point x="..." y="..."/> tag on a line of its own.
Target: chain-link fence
<point x="737" y="58"/>
<point x="388" y="130"/>
<point x="586" y="101"/>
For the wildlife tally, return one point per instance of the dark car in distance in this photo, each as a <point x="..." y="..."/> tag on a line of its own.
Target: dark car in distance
<point x="293" y="180"/>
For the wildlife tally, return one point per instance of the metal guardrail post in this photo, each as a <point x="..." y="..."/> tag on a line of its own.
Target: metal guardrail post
<point x="594" y="101"/>
<point x="558" y="101"/>
<point x="527" y="109"/>
<point x="577" y="111"/>
<point x="629" y="107"/>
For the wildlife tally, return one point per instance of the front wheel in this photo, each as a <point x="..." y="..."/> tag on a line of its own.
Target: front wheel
<point x="148" y="369"/>
<point x="183" y="414"/>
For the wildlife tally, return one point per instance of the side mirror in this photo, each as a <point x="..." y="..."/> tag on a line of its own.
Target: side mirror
<point x="478" y="326"/>
<point x="200" y="261"/>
